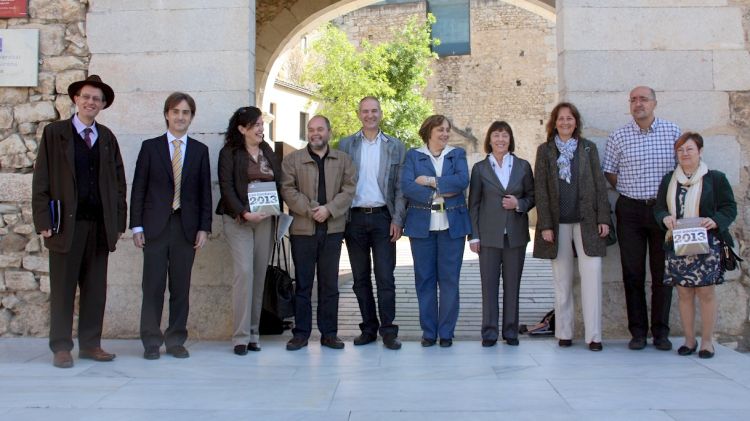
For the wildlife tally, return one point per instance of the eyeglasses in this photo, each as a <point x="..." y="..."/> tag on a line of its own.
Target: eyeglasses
<point x="92" y="98"/>
<point x="636" y="99"/>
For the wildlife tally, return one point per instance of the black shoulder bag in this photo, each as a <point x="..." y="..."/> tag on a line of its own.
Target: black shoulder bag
<point x="729" y="259"/>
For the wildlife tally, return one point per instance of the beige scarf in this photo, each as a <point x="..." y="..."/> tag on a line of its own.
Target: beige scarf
<point x="694" y="185"/>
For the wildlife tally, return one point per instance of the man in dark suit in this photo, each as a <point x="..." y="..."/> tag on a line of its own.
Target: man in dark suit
<point x="170" y="215"/>
<point x="79" y="172"/>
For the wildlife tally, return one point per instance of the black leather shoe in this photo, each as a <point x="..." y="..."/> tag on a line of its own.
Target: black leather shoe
<point x="488" y="342"/>
<point x="663" y="344"/>
<point x="705" y="354"/>
<point x="332" y="342"/>
<point x="252" y="346"/>
<point x="151" y="353"/>
<point x="364" y="339"/>
<point x="684" y="350"/>
<point x="512" y="341"/>
<point x="391" y="342"/>
<point x="637" y="343"/>
<point x="427" y="342"/>
<point x="178" y="351"/>
<point x="445" y="343"/>
<point x="565" y="343"/>
<point x="596" y="346"/>
<point x="296" y="343"/>
<point x="240" y="349"/>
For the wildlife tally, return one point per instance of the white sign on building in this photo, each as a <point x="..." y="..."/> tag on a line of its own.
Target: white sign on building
<point x="19" y="57"/>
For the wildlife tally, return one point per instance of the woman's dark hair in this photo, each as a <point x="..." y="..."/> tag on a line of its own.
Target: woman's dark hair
<point x="430" y="123"/>
<point x="552" y="122"/>
<point x="499" y="126"/>
<point x="245" y="116"/>
<point x="695" y="137"/>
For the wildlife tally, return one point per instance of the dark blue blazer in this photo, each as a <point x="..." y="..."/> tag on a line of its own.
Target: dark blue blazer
<point x="454" y="179"/>
<point x="153" y="189"/>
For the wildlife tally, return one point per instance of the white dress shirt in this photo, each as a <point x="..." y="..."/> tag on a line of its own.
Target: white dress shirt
<point x="368" y="194"/>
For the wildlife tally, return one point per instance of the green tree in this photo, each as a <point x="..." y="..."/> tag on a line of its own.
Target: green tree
<point x="395" y="72"/>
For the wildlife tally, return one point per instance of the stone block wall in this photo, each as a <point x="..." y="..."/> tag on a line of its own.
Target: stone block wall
<point x="144" y="50"/>
<point x="695" y="55"/>
<point x="64" y="58"/>
<point x="510" y="75"/>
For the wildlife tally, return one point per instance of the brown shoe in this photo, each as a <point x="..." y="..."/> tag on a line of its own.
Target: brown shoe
<point x="62" y="359"/>
<point x="96" y="354"/>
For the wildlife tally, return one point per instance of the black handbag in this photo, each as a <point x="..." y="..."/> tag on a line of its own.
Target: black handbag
<point x="612" y="236"/>
<point x="278" y="294"/>
<point x="729" y="259"/>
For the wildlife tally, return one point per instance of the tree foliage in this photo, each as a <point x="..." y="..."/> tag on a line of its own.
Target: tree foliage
<point x="395" y="72"/>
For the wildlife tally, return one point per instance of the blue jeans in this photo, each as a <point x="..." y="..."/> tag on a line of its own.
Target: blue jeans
<point x="316" y="253"/>
<point x="366" y="232"/>
<point x="437" y="265"/>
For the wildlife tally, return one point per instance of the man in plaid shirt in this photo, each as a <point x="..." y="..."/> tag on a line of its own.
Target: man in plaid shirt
<point x="636" y="158"/>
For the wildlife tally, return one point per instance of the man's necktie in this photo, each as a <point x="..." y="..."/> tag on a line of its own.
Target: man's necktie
<point x="87" y="136"/>
<point x="177" y="172"/>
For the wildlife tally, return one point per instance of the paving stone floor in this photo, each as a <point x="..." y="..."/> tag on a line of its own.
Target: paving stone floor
<point x="534" y="381"/>
<point x="537" y="295"/>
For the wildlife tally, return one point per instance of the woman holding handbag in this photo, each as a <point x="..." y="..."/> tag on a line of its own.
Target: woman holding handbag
<point x="694" y="191"/>
<point x="246" y="158"/>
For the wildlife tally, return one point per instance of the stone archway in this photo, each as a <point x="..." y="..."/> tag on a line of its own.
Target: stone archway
<point x="280" y="24"/>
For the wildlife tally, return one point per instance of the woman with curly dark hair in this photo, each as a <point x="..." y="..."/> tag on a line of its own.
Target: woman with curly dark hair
<point x="244" y="159"/>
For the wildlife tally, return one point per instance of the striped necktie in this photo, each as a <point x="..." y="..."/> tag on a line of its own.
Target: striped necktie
<point x="177" y="172"/>
<point x="87" y="136"/>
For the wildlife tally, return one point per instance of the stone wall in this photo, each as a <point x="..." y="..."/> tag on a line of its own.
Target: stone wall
<point x="737" y="82"/>
<point x="207" y="53"/>
<point x="510" y="75"/>
<point x="694" y="53"/>
<point x="64" y="57"/>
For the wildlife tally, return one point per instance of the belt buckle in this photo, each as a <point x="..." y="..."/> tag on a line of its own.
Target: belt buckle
<point x="367" y="211"/>
<point x="440" y="207"/>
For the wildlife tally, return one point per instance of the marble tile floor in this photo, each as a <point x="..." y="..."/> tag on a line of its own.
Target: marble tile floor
<point x="534" y="381"/>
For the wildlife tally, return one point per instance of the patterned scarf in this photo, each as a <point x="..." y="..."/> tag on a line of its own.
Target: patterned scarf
<point x="567" y="149"/>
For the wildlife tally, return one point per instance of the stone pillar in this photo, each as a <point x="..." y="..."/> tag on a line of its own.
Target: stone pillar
<point x="24" y="112"/>
<point x="694" y="54"/>
<point x="145" y="52"/>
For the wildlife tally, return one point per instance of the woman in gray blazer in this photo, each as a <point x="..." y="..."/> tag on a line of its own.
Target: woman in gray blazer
<point x="500" y="196"/>
<point x="572" y="208"/>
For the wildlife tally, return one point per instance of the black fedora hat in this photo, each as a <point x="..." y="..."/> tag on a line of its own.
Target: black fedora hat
<point x="96" y="81"/>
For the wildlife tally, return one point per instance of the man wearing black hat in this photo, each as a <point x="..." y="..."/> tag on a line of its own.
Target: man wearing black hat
<point x="78" y="204"/>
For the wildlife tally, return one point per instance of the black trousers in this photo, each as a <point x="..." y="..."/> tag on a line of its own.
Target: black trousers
<point x="638" y="232"/>
<point x="168" y="254"/>
<point x="365" y="233"/>
<point x="316" y="254"/>
<point x="84" y="267"/>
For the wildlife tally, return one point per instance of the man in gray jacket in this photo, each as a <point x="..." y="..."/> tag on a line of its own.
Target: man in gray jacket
<point x="375" y="222"/>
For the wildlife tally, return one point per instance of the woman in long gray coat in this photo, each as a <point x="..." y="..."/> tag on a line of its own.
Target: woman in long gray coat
<point x="572" y="208"/>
